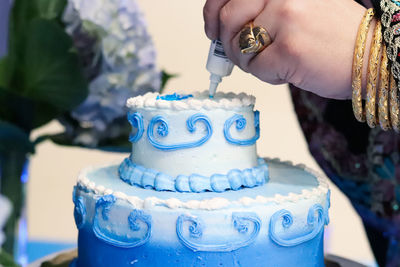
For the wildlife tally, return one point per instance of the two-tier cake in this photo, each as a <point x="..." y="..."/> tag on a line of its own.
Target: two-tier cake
<point x="193" y="192"/>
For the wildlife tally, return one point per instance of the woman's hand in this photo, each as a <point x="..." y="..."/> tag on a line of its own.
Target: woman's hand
<point x="313" y="40"/>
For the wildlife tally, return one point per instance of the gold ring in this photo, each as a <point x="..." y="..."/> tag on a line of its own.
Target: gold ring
<point x="253" y="39"/>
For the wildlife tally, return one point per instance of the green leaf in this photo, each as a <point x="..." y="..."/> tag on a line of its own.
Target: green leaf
<point x="119" y="144"/>
<point x="14" y="138"/>
<point x="50" y="9"/>
<point x="6" y="260"/>
<point x="16" y="109"/>
<point x="6" y="71"/>
<point x="23" y="11"/>
<point x="41" y="76"/>
<point x="51" y="72"/>
<point x="165" y="78"/>
<point x="25" y="113"/>
<point x="44" y="113"/>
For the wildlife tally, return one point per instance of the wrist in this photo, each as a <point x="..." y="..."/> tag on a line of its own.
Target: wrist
<point x="355" y="13"/>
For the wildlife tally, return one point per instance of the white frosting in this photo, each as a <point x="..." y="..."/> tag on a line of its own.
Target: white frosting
<point x="200" y="100"/>
<point x="213" y="203"/>
<point x="216" y="153"/>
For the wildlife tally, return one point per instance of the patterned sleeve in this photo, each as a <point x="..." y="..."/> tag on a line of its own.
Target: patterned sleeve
<point x="389" y="13"/>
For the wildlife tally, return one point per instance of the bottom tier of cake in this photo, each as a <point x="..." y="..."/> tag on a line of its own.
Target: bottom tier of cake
<point x="280" y="223"/>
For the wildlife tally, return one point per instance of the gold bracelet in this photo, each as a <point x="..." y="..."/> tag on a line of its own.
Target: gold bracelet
<point x="372" y="75"/>
<point x="358" y="64"/>
<point x="394" y="105"/>
<point x="383" y="107"/>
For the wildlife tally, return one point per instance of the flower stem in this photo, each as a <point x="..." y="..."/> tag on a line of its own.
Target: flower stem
<point x="11" y="186"/>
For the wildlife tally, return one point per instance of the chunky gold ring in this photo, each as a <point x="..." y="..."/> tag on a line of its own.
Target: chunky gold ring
<point x="253" y="39"/>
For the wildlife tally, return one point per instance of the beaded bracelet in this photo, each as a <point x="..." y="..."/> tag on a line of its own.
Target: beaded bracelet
<point x="358" y="64"/>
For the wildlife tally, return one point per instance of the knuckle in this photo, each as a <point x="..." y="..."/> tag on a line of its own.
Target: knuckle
<point x="225" y="15"/>
<point x="289" y="9"/>
<point x="289" y="48"/>
<point x="276" y="81"/>
<point x="244" y="64"/>
<point x="292" y="77"/>
<point x="210" y="20"/>
<point x="207" y="11"/>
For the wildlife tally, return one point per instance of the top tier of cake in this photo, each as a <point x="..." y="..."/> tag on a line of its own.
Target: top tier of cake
<point x="193" y="134"/>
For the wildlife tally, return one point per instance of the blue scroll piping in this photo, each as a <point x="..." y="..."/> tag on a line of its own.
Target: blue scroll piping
<point x="194" y="237"/>
<point x="136" y="220"/>
<point x="136" y="120"/>
<point x="327" y="206"/>
<point x="316" y="219"/>
<point x="241" y="123"/>
<point x="173" y="97"/>
<point x="235" y="179"/>
<point x="79" y="211"/>
<point x="162" y="131"/>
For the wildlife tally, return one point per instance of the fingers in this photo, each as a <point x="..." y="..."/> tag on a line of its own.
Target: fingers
<point x="266" y="65"/>
<point x="233" y="17"/>
<point x="211" y="12"/>
<point x="264" y="19"/>
<point x="235" y="14"/>
<point x="224" y="19"/>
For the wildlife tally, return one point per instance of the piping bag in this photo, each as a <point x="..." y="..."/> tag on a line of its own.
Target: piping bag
<point x="218" y="64"/>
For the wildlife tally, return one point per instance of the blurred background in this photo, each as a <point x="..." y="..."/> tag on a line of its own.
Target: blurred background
<point x="176" y="27"/>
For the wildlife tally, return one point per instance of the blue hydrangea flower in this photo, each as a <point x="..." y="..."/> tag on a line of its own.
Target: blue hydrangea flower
<point x="119" y="59"/>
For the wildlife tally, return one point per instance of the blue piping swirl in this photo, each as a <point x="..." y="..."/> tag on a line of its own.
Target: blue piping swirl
<point x="240" y="125"/>
<point x="134" y="218"/>
<point x="79" y="212"/>
<point x="286" y="218"/>
<point x="327" y="206"/>
<point x="235" y="179"/>
<point x="162" y="131"/>
<point x="241" y="222"/>
<point x="133" y="235"/>
<point x="136" y="120"/>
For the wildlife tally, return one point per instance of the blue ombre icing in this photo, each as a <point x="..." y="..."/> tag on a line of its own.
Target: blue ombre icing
<point x="173" y="97"/>
<point x="240" y="125"/>
<point x="136" y="120"/>
<point x="134" y="174"/>
<point x="194" y="193"/>
<point x="126" y="224"/>
<point x="162" y="131"/>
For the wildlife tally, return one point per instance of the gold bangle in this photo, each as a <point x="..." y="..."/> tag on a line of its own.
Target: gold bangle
<point x="394" y="105"/>
<point x="372" y="75"/>
<point x="358" y="64"/>
<point x="383" y="107"/>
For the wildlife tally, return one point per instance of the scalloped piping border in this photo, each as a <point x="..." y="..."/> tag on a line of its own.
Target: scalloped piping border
<point x="133" y="174"/>
<point x="212" y="203"/>
<point x="221" y="100"/>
